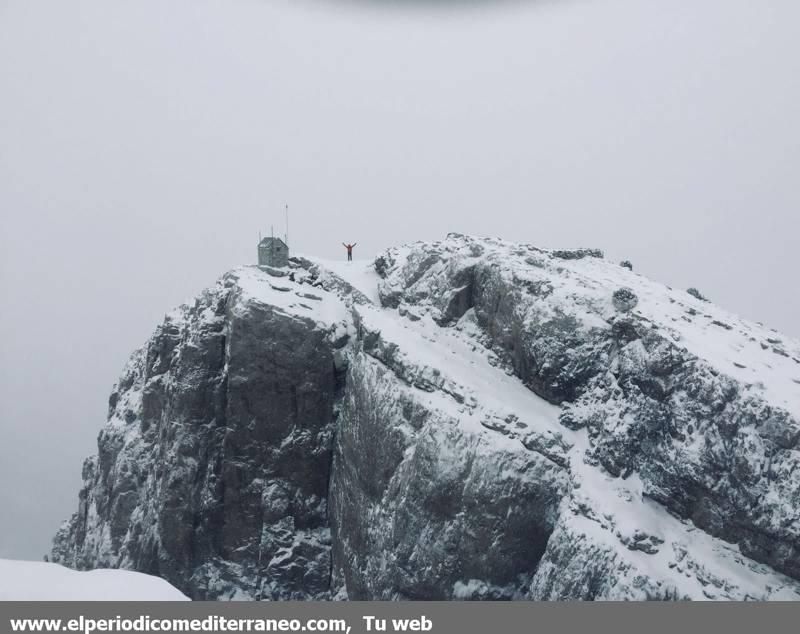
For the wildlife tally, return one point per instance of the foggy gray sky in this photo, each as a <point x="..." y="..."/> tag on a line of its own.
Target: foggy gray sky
<point x="143" y="145"/>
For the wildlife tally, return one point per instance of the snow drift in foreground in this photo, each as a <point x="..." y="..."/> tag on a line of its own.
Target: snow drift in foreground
<point x="39" y="581"/>
<point x="462" y="419"/>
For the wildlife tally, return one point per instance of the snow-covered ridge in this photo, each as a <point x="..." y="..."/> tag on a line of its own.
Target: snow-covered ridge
<point x="466" y="419"/>
<point x="749" y="352"/>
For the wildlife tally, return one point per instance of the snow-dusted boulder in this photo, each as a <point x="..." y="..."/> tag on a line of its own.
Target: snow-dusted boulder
<point x="624" y="300"/>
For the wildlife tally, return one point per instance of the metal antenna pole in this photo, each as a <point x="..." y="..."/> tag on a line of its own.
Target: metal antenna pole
<point x="287" y="225"/>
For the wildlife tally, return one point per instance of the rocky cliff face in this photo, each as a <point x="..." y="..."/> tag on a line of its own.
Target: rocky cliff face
<point x="466" y="419"/>
<point x="213" y="469"/>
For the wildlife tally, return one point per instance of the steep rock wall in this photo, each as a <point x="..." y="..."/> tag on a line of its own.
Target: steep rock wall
<point x="213" y="469"/>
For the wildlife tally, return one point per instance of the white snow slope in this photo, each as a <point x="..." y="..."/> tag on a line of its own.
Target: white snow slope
<point x="39" y="581"/>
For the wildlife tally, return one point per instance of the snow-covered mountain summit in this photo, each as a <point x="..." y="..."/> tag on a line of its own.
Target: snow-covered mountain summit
<point x="468" y="418"/>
